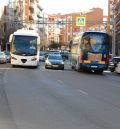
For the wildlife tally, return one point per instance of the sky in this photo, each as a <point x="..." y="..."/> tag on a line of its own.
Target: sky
<point x="69" y="6"/>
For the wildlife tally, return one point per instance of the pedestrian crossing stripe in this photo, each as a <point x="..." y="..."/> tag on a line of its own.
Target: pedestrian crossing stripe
<point x="81" y="21"/>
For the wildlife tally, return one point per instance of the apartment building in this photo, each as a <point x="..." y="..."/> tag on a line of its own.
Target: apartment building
<point x="110" y="14"/>
<point x="27" y="12"/>
<point x="1" y="23"/>
<point x="116" y="5"/>
<point x="53" y="30"/>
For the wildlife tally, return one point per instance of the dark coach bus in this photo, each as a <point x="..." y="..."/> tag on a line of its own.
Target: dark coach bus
<point x="90" y="51"/>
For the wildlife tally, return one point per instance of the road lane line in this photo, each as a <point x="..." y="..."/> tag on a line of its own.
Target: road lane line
<point x="4" y="68"/>
<point x="107" y="71"/>
<point x="82" y="92"/>
<point x="10" y="68"/>
<point x="60" y="81"/>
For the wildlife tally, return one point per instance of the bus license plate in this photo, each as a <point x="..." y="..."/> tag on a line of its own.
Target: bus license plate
<point x="94" y="66"/>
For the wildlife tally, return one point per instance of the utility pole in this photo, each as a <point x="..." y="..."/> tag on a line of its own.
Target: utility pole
<point x="43" y="38"/>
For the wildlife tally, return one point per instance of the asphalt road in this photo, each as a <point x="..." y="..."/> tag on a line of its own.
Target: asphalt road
<point x="56" y="99"/>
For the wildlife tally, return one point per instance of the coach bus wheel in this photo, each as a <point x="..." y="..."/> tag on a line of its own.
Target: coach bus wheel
<point x="72" y="67"/>
<point x="13" y="66"/>
<point x="98" y="71"/>
<point x="77" y="67"/>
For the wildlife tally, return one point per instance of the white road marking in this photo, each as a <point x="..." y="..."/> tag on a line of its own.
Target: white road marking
<point x="82" y="92"/>
<point x="107" y="71"/>
<point x="10" y="68"/>
<point x="4" y="68"/>
<point x="60" y="81"/>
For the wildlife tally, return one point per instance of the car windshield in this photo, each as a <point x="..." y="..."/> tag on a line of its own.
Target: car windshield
<point x="116" y="59"/>
<point x="1" y="54"/>
<point x="7" y="53"/>
<point x="53" y="57"/>
<point x="41" y="54"/>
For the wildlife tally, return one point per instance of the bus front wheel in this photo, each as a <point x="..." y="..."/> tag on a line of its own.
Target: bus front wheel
<point x="98" y="71"/>
<point x="13" y="66"/>
<point x="78" y="67"/>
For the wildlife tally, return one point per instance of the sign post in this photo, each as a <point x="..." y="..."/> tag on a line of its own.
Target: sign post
<point x="81" y="21"/>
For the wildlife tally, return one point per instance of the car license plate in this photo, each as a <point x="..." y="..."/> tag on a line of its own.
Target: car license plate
<point x="55" y="66"/>
<point x="94" y="66"/>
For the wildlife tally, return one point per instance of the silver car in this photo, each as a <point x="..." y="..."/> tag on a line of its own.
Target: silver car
<point x="3" y="58"/>
<point x="117" y="68"/>
<point x="54" y="61"/>
<point x="8" y="57"/>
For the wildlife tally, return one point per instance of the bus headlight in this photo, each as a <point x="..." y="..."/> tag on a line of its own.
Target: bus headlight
<point x="13" y="58"/>
<point x="62" y="62"/>
<point x="34" y="59"/>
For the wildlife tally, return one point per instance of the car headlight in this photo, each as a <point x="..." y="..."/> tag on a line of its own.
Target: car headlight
<point x="62" y="62"/>
<point x="112" y="64"/>
<point x="48" y="62"/>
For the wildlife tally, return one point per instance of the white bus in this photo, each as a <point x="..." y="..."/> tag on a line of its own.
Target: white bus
<point x="25" y="45"/>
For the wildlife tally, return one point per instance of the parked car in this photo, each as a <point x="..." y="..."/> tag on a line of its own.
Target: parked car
<point x="113" y="63"/>
<point x="65" y="55"/>
<point x="8" y="57"/>
<point x="42" y="56"/>
<point x="3" y="58"/>
<point x="117" y="68"/>
<point x="54" y="61"/>
<point x="54" y="52"/>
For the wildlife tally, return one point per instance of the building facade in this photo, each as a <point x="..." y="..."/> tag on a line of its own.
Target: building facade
<point x="53" y="30"/>
<point x="110" y="15"/>
<point x="116" y="4"/>
<point x="114" y="19"/>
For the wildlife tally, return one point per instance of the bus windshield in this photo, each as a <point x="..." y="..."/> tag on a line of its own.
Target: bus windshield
<point x="95" y="42"/>
<point x="24" y="45"/>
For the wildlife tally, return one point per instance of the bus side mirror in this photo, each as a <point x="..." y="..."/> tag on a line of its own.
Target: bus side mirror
<point x="10" y="38"/>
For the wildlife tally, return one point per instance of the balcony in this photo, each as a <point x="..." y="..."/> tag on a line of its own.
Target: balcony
<point x="39" y="7"/>
<point x="40" y="15"/>
<point x="32" y="1"/>
<point x="31" y="10"/>
<point x="117" y="5"/>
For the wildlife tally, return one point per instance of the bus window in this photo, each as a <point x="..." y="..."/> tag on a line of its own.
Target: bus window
<point x="95" y="42"/>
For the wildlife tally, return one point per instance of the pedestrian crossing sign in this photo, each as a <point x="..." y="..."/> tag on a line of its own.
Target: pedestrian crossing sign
<point x="81" y="21"/>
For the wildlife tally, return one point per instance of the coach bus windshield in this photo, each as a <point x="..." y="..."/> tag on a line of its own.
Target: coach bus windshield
<point x="95" y="42"/>
<point x="24" y="45"/>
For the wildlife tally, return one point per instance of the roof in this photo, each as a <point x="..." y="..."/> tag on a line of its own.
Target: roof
<point x="95" y="32"/>
<point x="26" y="32"/>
